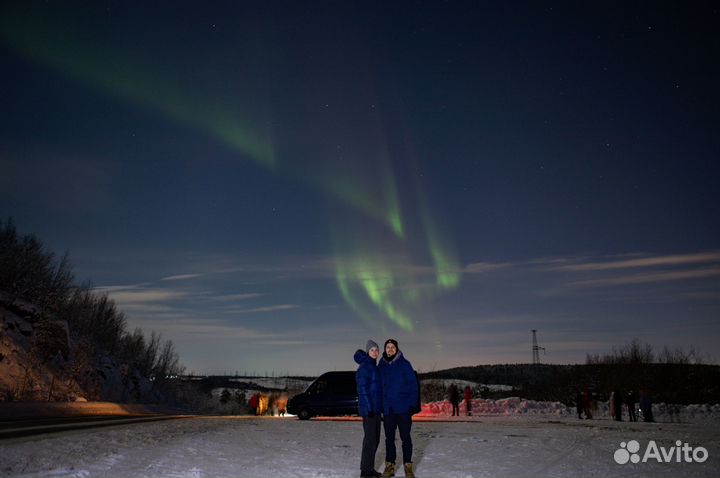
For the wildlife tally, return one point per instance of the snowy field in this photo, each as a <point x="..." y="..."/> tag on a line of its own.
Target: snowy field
<point x="286" y="447"/>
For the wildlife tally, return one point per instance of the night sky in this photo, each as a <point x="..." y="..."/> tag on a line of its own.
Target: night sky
<point x="269" y="184"/>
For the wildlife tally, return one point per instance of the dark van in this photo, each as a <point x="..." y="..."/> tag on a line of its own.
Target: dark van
<point x="332" y="394"/>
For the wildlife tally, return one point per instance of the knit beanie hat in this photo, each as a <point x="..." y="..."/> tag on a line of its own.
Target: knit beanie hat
<point x="391" y="341"/>
<point x="370" y="344"/>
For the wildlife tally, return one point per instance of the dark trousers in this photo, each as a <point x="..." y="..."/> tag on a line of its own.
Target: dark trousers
<point x="403" y="422"/>
<point x="456" y="409"/>
<point x="371" y="440"/>
<point x="631" y="412"/>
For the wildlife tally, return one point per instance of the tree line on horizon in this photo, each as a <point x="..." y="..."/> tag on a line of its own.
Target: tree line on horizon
<point x="97" y="327"/>
<point x="672" y="375"/>
<point x="637" y="352"/>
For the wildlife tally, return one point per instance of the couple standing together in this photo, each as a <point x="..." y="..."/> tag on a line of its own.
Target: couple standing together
<point x="389" y="388"/>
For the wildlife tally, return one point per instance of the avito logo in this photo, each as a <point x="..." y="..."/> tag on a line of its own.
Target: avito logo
<point x="681" y="452"/>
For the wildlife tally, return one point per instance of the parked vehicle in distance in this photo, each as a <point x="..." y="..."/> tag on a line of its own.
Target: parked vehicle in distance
<point x="332" y="394"/>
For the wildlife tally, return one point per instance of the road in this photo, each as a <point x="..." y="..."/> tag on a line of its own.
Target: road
<point x="17" y="428"/>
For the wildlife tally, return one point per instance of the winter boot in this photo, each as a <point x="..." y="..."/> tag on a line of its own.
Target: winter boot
<point x="409" y="471"/>
<point x="389" y="469"/>
<point x="370" y="474"/>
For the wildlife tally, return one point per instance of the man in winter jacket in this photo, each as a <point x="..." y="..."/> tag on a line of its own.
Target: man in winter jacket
<point x="369" y="391"/>
<point x="468" y="395"/>
<point x="400" y="399"/>
<point x="454" y="395"/>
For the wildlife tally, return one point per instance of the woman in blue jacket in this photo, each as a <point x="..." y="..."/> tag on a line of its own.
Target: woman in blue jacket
<point x="369" y="405"/>
<point x="400" y="401"/>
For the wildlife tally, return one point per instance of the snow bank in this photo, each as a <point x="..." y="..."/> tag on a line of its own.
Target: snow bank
<point x="503" y="406"/>
<point x="690" y="413"/>
<point x="663" y="412"/>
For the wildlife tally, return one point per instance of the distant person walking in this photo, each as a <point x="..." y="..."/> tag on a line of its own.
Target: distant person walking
<point x="400" y="398"/>
<point x="454" y="396"/>
<point x="579" y="403"/>
<point x="468" y="395"/>
<point x="369" y="389"/>
<point x="586" y="404"/>
<point x="254" y="403"/>
<point x="646" y="406"/>
<point x="617" y="400"/>
<point x="630" y="401"/>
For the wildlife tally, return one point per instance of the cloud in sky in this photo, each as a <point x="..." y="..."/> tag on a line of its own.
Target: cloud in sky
<point x="660" y="276"/>
<point x="651" y="261"/>
<point x="182" y="277"/>
<point x="116" y="288"/>
<point x="638" y="270"/>
<point x="210" y="329"/>
<point x="235" y="297"/>
<point x="261" y="310"/>
<point x="482" y="267"/>
<point x="145" y="296"/>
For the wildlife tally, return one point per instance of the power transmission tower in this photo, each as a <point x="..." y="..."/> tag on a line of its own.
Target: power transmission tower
<point x="536" y="349"/>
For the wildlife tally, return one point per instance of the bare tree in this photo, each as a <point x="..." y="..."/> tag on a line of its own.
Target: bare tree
<point x="168" y="363"/>
<point x="637" y="352"/>
<point x="151" y="354"/>
<point x="678" y="355"/>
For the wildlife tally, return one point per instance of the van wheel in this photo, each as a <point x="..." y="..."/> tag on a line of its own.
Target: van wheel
<point x="304" y="414"/>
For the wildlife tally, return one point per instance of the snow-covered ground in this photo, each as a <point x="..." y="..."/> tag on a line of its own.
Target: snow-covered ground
<point x="285" y="447"/>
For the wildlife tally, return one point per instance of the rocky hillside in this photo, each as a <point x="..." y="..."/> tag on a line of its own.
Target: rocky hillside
<point x="60" y="340"/>
<point x="40" y="362"/>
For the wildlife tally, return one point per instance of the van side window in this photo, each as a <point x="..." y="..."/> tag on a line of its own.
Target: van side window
<point x="320" y="386"/>
<point x="344" y="387"/>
